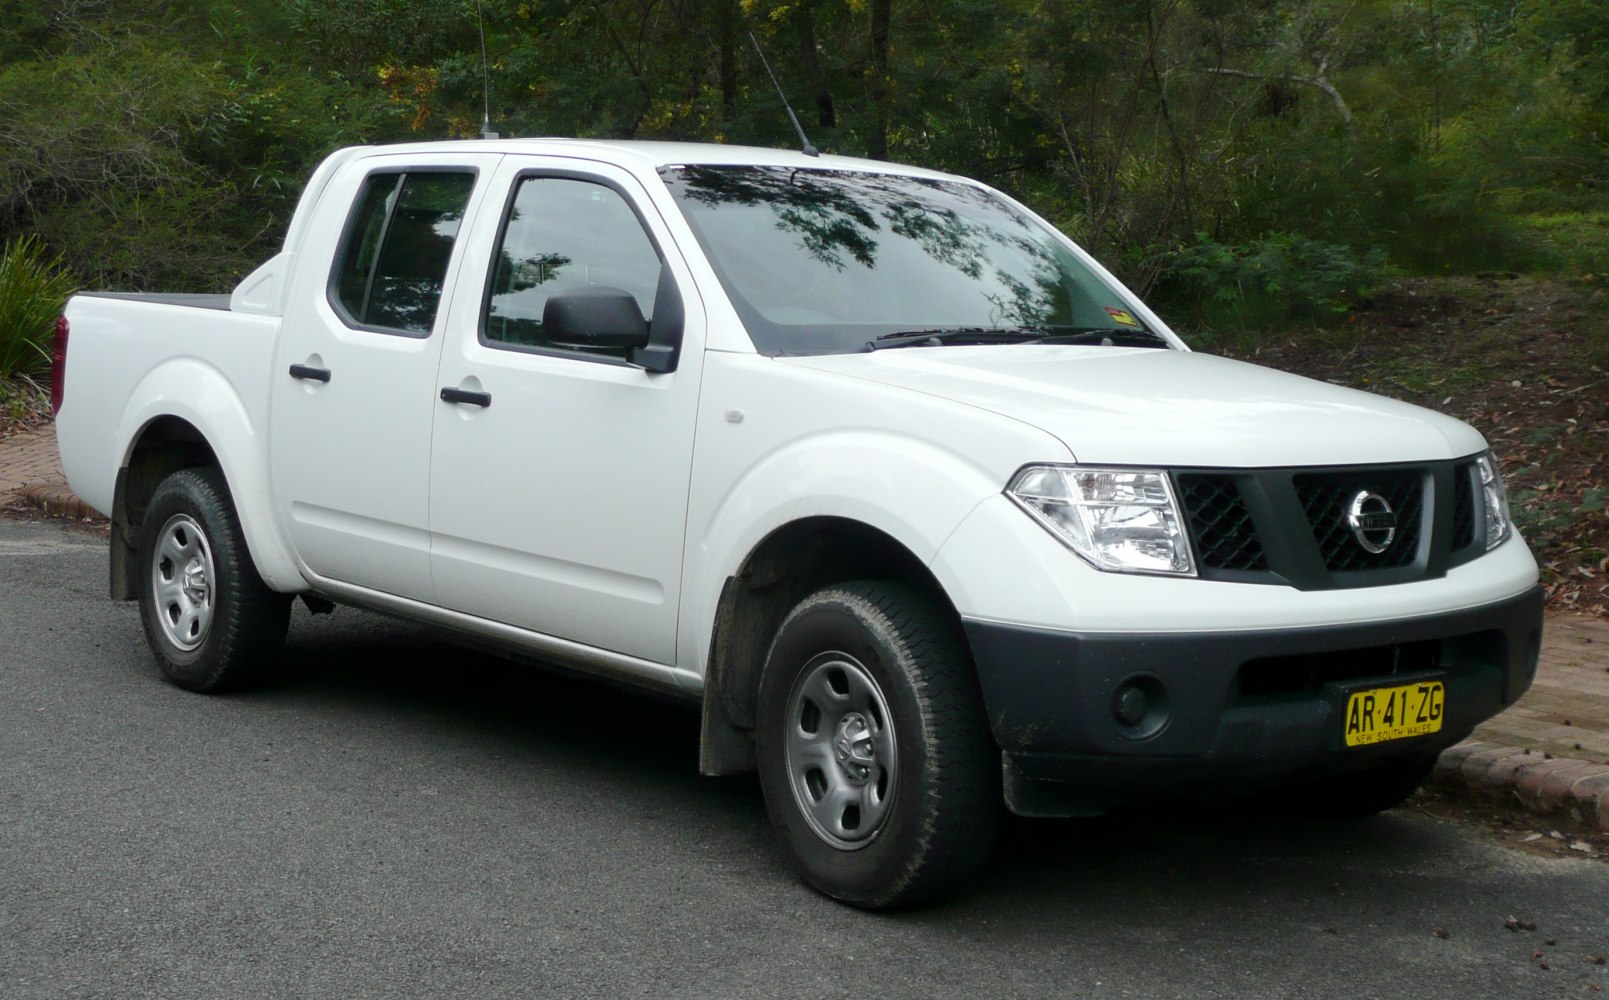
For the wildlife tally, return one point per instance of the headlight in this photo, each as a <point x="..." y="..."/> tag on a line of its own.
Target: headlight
<point x="1494" y="500"/>
<point x="1119" y="520"/>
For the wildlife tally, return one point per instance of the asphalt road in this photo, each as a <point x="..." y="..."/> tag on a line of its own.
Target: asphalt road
<point x="400" y="818"/>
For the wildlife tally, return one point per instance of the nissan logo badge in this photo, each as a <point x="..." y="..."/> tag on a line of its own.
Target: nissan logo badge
<point x="1373" y="522"/>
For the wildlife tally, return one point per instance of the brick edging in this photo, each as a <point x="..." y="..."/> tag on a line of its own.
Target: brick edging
<point x="57" y="499"/>
<point x="1543" y="784"/>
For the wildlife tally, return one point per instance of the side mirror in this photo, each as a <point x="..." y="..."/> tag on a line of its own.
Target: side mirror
<point x="594" y="316"/>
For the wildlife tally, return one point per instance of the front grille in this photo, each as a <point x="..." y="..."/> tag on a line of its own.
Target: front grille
<point x="1326" y="497"/>
<point x="1290" y="526"/>
<point x="1221" y="525"/>
<point x="1280" y="677"/>
<point x="1464" y="506"/>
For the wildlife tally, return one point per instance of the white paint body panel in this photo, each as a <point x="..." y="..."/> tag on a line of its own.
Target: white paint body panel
<point x="596" y="511"/>
<point x="560" y="508"/>
<point x="811" y="444"/>
<point x="1134" y="406"/>
<point x="997" y="568"/>
<point x="131" y="363"/>
<point x="351" y="457"/>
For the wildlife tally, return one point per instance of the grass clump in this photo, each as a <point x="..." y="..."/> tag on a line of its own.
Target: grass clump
<point x="33" y="288"/>
<point x="1272" y="281"/>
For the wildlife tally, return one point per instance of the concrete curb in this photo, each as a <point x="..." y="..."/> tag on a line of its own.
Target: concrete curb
<point x="1549" y="786"/>
<point x="57" y="499"/>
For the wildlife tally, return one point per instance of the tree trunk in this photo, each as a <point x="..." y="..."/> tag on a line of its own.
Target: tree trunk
<point x="877" y="142"/>
<point x="726" y="42"/>
<point x="810" y="58"/>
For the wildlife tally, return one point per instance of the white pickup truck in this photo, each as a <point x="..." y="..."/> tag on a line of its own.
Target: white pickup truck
<point x="920" y="502"/>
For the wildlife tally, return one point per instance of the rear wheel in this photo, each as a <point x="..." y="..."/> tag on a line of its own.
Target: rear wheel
<point x="875" y="756"/>
<point x="209" y="618"/>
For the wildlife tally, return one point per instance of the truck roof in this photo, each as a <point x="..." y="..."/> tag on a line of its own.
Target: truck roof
<point x="631" y="154"/>
<point x="657" y="154"/>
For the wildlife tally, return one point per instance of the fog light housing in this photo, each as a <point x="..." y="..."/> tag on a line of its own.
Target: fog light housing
<point x="1141" y="707"/>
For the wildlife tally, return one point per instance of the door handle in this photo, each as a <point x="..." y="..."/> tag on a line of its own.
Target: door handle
<point x="309" y="373"/>
<point x="451" y="395"/>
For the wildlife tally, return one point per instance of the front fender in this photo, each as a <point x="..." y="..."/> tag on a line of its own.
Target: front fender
<point x="913" y="491"/>
<point x="199" y="394"/>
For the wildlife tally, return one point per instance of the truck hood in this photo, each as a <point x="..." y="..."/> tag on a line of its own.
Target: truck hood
<point x="1168" y="408"/>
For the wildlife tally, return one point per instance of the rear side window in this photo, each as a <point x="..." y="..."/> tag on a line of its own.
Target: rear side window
<point x="394" y="253"/>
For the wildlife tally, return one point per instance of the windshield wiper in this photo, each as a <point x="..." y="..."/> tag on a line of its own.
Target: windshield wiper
<point x="956" y="335"/>
<point x="1106" y="336"/>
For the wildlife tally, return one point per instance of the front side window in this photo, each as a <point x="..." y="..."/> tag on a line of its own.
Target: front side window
<point x="828" y="261"/>
<point x="393" y="259"/>
<point x="563" y="233"/>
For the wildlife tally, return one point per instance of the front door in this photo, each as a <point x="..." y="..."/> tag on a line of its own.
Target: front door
<point x="353" y="386"/>
<point x="558" y="481"/>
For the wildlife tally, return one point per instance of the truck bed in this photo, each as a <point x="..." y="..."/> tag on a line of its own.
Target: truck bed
<point x="190" y="300"/>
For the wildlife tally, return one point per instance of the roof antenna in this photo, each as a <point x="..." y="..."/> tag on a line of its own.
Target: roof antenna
<point x="808" y="150"/>
<point x="485" y="79"/>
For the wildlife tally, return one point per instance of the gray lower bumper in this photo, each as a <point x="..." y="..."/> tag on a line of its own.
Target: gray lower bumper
<point x="1238" y="710"/>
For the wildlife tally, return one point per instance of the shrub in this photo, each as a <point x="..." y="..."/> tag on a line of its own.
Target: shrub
<point x="33" y="288"/>
<point x="1272" y="280"/>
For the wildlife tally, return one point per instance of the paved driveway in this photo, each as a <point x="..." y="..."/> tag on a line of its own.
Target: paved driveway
<point x="399" y="818"/>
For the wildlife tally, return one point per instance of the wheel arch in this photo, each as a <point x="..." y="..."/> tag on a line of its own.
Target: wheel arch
<point x="791" y="562"/>
<point x="166" y="442"/>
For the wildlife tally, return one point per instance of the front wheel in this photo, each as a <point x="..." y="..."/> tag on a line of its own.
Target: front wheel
<point x="875" y="757"/>
<point x="209" y="618"/>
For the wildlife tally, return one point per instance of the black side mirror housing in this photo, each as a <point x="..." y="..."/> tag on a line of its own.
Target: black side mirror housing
<point x="594" y="316"/>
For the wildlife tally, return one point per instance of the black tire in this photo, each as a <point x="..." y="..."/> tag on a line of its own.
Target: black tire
<point x="212" y="623"/>
<point x="1359" y="795"/>
<point x="869" y="834"/>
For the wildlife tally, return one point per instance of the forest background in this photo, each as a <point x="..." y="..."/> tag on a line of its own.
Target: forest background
<point x="1244" y="158"/>
<point x="1408" y="195"/>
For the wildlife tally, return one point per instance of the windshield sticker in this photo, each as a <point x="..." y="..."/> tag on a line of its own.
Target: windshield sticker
<point x="1121" y="316"/>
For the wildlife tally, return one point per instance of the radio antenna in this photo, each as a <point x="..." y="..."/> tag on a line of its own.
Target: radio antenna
<point x="808" y="150"/>
<point x="485" y="79"/>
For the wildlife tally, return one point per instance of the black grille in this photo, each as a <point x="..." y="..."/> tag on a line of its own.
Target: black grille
<point x="1304" y="675"/>
<point x="1325" y="498"/>
<point x="1464" y="506"/>
<point x="1220" y="524"/>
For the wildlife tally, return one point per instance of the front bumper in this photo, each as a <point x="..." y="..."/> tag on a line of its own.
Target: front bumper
<point x="1229" y="711"/>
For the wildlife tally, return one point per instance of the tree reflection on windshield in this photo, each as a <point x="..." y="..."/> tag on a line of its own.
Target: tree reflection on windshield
<point x="820" y="261"/>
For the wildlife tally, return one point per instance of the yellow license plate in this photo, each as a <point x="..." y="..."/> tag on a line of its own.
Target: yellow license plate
<point x="1394" y="713"/>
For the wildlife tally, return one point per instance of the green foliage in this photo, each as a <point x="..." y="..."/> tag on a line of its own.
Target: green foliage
<point x="33" y="288"/>
<point x="1272" y="280"/>
<point x="147" y="168"/>
<point x="161" y="143"/>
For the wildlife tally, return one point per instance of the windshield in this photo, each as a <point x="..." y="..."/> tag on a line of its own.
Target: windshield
<point x="827" y="261"/>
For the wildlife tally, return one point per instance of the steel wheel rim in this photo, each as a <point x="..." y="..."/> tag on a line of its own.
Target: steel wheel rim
<point x="182" y="577"/>
<point x="841" y="753"/>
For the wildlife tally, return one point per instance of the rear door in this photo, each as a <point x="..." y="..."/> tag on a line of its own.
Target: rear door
<point x="353" y="392"/>
<point x="560" y="504"/>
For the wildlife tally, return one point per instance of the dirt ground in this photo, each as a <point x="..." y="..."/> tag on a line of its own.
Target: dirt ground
<point x="1526" y="361"/>
<point x="1510" y="823"/>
